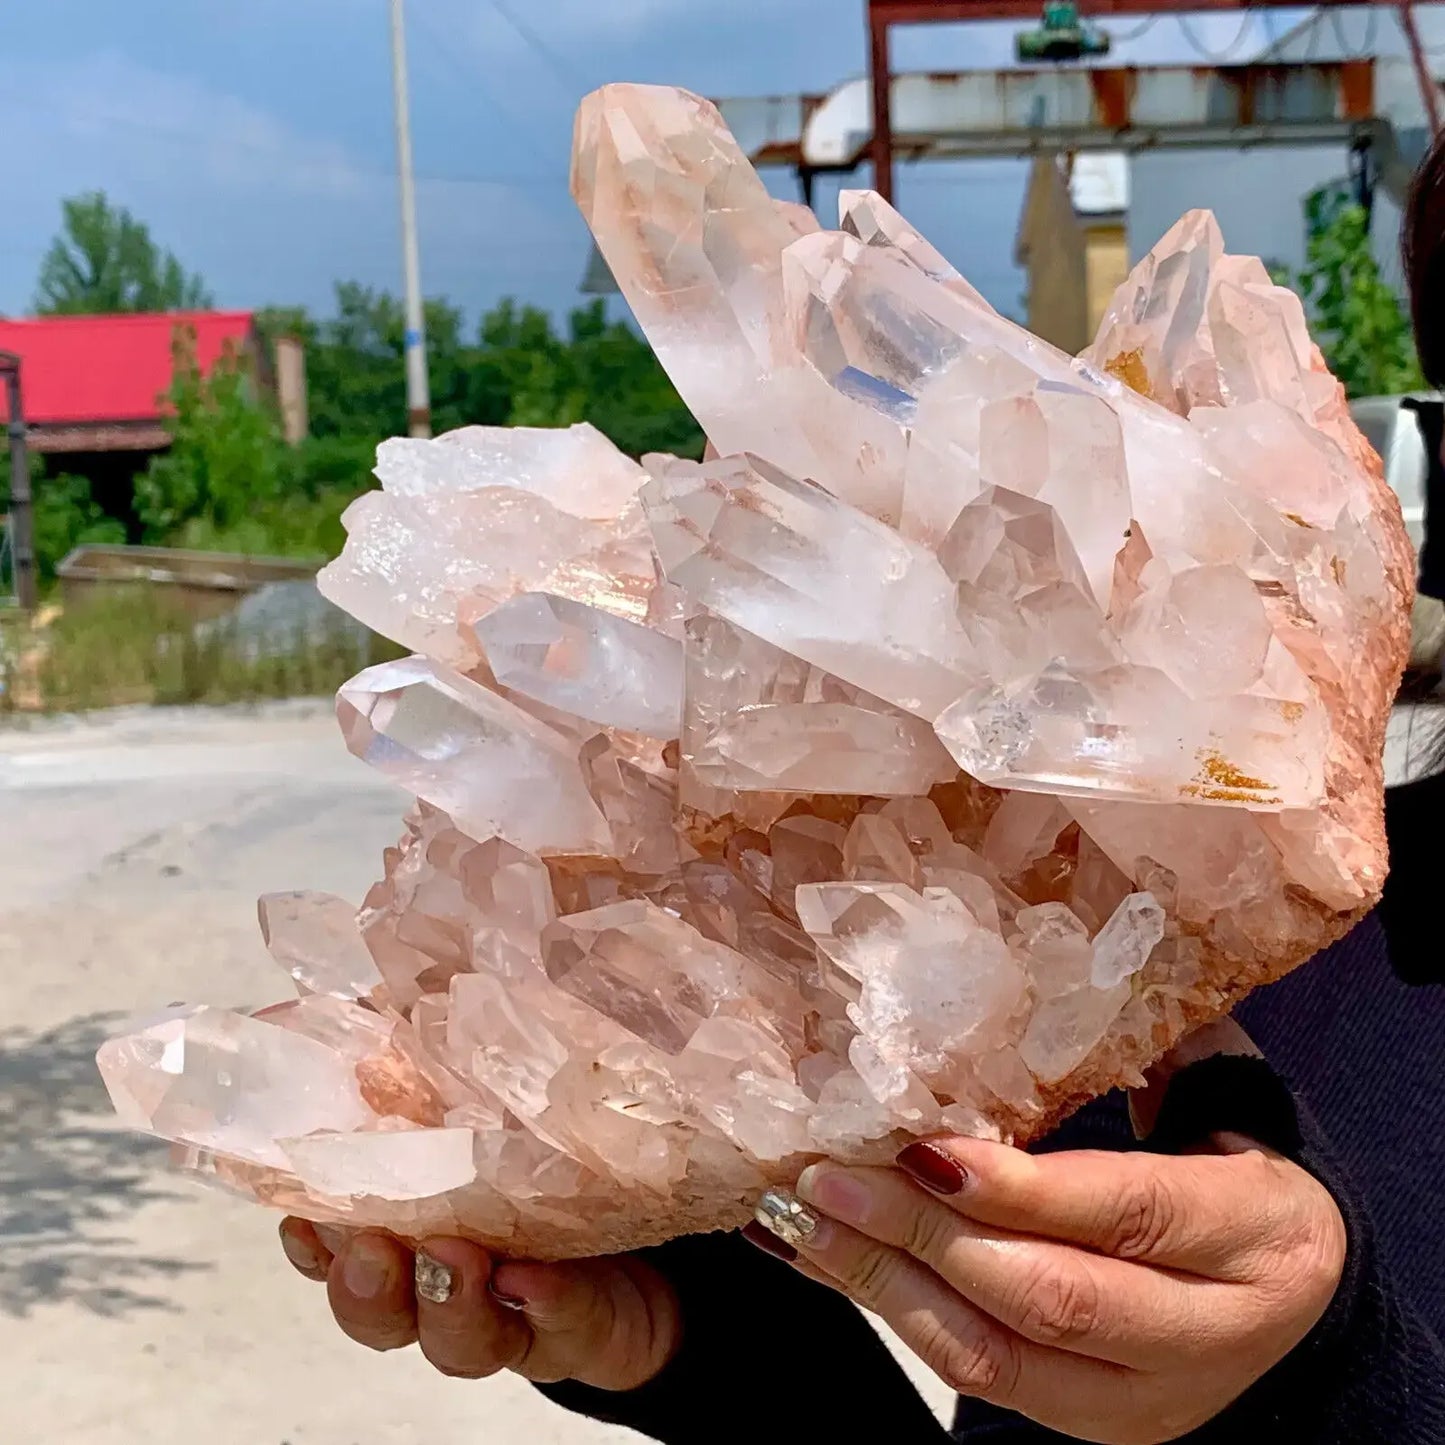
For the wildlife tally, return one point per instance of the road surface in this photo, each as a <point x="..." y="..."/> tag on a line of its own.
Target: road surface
<point x="135" y="1307"/>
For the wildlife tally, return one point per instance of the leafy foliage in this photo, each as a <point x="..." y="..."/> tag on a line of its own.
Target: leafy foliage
<point x="226" y="455"/>
<point x="1357" y="318"/>
<point x="355" y="379"/>
<point x="104" y="261"/>
<point x="521" y="372"/>
<point x="64" y="515"/>
<point x="229" y="483"/>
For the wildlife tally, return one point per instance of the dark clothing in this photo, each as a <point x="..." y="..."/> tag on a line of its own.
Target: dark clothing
<point x="1367" y="1053"/>
<point x="768" y="1352"/>
<point x="1431" y="417"/>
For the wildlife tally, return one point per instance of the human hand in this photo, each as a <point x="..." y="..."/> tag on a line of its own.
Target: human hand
<point x="613" y="1323"/>
<point x="1118" y="1298"/>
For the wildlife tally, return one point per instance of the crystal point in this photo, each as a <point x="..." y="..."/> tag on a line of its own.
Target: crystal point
<point x="497" y="771"/>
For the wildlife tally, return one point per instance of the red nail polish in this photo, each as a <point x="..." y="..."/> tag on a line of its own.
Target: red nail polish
<point x="933" y="1169"/>
<point x="768" y="1242"/>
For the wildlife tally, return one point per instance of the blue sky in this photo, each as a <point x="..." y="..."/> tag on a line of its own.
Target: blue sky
<point x="254" y="136"/>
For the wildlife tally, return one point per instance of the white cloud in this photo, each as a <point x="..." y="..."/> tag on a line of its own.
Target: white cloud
<point x="168" y="125"/>
<point x="264" y="211"/>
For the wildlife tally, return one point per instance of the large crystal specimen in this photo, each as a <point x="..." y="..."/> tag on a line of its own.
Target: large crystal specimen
<point x="972" y="723"/>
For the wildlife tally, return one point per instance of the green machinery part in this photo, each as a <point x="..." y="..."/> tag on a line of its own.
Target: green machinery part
<point x="1062" y="36"/>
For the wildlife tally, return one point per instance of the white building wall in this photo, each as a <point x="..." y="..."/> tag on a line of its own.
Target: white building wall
<point x="1259" y="195"/>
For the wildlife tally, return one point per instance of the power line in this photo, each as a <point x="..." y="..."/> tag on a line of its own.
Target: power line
<point x="187" y="137"/>
<point x="1216" y="57"/>
<point x="559" y="67"/>
<point x="511" y="123"/>
<point x="1142" y="28"/>
<point x="1367" y="46"/>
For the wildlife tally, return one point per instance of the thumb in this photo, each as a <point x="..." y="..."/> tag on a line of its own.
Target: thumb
<point x="1222" y="1037"/>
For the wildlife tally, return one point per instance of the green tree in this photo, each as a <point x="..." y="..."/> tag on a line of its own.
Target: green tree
<point x="105" y="261"/>
<point x="1357" y="318"/>
<point x="601" y="371"/>
<point x="226" y="456"/>
<point x="229" y="482"/>
<point x="65" y="515"/>
<point x="521" y="371"/>
<point x="355" y="375"/>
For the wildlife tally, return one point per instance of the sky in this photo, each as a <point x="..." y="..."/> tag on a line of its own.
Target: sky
<point x="255" y="136"/>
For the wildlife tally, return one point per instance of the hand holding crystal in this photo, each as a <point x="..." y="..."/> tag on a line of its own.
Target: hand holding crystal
<point x="1120" y="1298"/>
<point x="612" y="1323"/>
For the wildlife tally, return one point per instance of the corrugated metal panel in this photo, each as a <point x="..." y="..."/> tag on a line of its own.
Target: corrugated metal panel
<point x="1014" y="112"/>
<point x="88" y="369"/>
<point x="769" y="128"/>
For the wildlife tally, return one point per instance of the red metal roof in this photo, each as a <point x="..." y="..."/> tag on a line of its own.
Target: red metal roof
<point x="79" y="370"/>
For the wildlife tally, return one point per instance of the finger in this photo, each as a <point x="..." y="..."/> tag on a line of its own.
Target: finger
<point x="335" y="1236"/>
<point x="1053" y="1294"/>
<point x="304" y="1249"/>
<point x="604" y="1321"/>
<point x="1222" y="1036"/>
<point x="968" y="1350"/>
<point x="1202" y="1214"/>
<point x="463" y="1329"/>
<point x="370" y="1290"/>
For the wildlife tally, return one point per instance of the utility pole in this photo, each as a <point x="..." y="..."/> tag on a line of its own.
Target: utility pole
<point x="22" y="518"/>
<point x="418" y="389"/>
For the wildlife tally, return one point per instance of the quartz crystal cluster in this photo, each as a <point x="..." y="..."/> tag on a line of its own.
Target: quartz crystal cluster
<point x="973" y="723"/>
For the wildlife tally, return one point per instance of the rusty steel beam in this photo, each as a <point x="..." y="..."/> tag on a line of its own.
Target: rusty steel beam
<point x="1015" y="112"/>
<point x="884" y="14"/>
<point x="880" y="71"/>
<point x="1429" y="91"/>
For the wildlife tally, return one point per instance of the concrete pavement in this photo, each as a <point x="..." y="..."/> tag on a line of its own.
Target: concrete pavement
<point x="136" y="1309"/>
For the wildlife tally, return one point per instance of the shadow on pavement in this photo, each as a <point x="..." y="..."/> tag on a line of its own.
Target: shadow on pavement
<point x="69" y="1180"/>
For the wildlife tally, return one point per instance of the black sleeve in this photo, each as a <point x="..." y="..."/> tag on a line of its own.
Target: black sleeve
<point x="1412" y="888"/>
<point x="1371" y="1372"/>
<point x="765" y="1353"/>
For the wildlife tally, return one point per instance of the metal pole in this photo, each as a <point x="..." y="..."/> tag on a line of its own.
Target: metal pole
<point x="881" y="70"/>
<point x="1429" y="91"/>
<point x="22" y="518"/>
<point x="418" y="390"/>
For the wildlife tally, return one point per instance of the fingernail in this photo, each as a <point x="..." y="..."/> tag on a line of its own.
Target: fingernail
<point x="785" y="1216"/>
<point x="369" y="1270"/>
<point x="768" y="1242"/>
<point x="300" y="1253"/>
<point x="836" y="1192"/>
<point x="433" y="1279"/>
<point x="933" y="1169"/>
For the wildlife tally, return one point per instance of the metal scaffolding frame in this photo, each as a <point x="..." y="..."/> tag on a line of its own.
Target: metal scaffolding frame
<point x="883" y="15"/>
